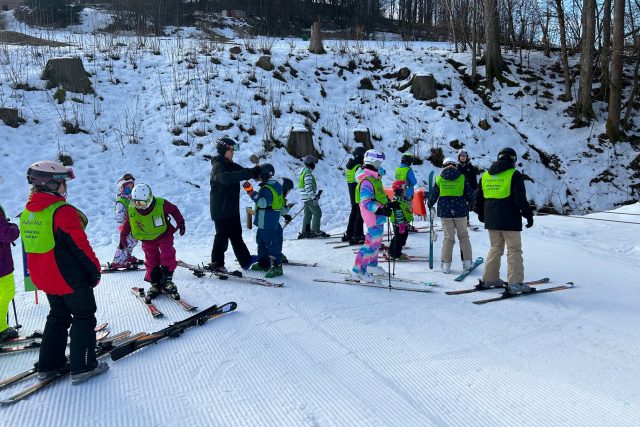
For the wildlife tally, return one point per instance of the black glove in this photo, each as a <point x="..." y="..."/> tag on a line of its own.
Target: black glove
<point x="383" y="211"/>
<point x="287" y="218"/>
<point x="481" y="218"/>
<point x="182" y="229"/>
<point x="529" y="222"/>
<point x="98" y="277"/>
<point x="394" y="205"/>
<point x="255" y="172"/>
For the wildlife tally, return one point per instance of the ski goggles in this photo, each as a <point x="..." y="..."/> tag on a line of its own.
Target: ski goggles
<point x="140" y="204"/>
<point x="127" y="177"/>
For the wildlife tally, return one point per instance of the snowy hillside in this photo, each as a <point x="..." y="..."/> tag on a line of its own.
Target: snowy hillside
<point x="325" y="354"/>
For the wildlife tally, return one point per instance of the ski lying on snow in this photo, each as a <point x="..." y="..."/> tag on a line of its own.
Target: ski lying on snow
<point x="504" y="296"/>
<point x="381" y="278"/>
<point x="19" y="340"/>
<point x="300" y="264"/>
<point x="373" y="285"/>
<point x="476" y="263"/>
<point x="139" y="292"/>
<point x="466" y="291"/>
<point x="199" y="271"/>
<point x="174" y="330"/>
<point x="103" y="348"/>
<point x="106" y="268"/>
<point x="182" y="303"/>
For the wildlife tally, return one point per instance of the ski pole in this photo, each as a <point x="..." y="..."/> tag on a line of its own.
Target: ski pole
<point x="15" y="314"/>
<point x="388" y="256"/>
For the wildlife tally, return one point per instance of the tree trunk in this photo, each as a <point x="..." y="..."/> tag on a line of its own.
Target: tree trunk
<point x="615" y="94"/>
<point x="451" y="22"/>
<point x="565" y="54"/>
<point x="584" y="107"/>
<point x="605" y="54"/>
<point x="315" y="44"/>
<point x="636" y="85"/>
<point x="474" y="44"/>
<point x="493" y="56"/>
<point x="545" y="33"/>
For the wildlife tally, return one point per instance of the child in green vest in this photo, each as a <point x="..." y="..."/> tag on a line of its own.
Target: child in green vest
<point x="401" y="218"/>
<point x="269" y="203"/>
<point x="123" y="258"/>
<point x="148" y="221"/>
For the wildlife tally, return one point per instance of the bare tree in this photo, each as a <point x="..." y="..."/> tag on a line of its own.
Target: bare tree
<point x="584" y="107"/>
<point x="493" y="56"/>
<point x="605" y="53"/>
<point x="615" y="89"/>
<point x="564" y="52"/>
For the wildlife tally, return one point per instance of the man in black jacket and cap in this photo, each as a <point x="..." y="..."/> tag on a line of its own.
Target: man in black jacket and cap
<point x="501" y="203"/>
<point x="225" y="205"/>
<point x="354" y="234"/>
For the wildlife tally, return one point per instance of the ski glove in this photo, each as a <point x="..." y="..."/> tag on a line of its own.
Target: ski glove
<point x="255" y="172"/>
<point x="383" y="211"/>
<point x="247" y="187"/>
<point x="287" y="218"/>
<point x="182" y="229"/>
<point x="529" y="222"/>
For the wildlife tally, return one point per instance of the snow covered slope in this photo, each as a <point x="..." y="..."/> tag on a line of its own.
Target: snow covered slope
<point x="316" y="353"/>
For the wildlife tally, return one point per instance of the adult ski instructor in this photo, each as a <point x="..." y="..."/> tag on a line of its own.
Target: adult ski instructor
<point x="501" y="203"/>
<point x="225" y="205"/>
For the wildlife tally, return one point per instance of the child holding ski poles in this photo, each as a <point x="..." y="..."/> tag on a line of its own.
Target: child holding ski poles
<point x="401" y="217"/>
<point x="269" y="201"/>
<point x="9" y="232"/>
<point x="375" y="209"/>
<point x="148" y="220"/>
<point x="123" y="257"/>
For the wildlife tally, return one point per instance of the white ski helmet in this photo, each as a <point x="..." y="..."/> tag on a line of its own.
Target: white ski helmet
<point x="374" y="158"/>
<point x="448" y="161"/>
<point x="141" y="196"/>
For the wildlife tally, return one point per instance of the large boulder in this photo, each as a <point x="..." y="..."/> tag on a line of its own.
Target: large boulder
<point x="363" y="136"/>
<point x="265" y="63"/>
<point x="68" y="73"/>
<point x="300" y="142"/>
<point x="423" y="87"/>
<point x="10" y="116"/>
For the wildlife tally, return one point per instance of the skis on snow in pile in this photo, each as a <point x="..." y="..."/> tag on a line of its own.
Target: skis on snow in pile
<point x="174" y="330"/>
<point x="102" y="348"/>
<point x="142" y="296"/>
<point x="201" y="271"/>
<point x="377" y="284"/>
<point x="106" y="268"/>
<point x="506" y="295"/>
<point x="476" y="263"/>
<point x="475" y="289"/>
<point x="37" y="343"/>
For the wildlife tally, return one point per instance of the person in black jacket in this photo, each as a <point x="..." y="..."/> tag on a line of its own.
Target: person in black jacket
<point x="354" y="234"/>
<point x="469" y="171"/>
<point x="501" y="202"/>
<point x="225" y="205"/>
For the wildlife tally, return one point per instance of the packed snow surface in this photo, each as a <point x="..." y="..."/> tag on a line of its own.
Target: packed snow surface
<point x="324" y="354"/>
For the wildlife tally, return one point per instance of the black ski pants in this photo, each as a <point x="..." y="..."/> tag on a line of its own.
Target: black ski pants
<point x="356" y="223"/>
<point x="398" y="241"/>
<point x="229" y="229"/>
<point x="77" y="310"/>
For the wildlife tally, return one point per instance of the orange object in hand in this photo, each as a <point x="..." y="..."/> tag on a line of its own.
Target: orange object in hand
<point x="247" y="186"/>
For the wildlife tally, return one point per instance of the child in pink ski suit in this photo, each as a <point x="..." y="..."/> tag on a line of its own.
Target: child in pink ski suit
<point x="123" y="257"/>
<point x="148" y="221"/>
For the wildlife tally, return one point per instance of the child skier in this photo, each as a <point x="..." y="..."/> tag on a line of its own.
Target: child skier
<point x="8" y="233"/>
<point x="453" y="194"/>
<point x="375" y="208"/>
<point x="123" y="257"/>
<point x="311" y="198"/>
<point x="401" y="218"/>
<point x="287" y="186"/>
<point x="404" y="172"/>
<point x="269" y="203"/>
<point x="148" y="220"/>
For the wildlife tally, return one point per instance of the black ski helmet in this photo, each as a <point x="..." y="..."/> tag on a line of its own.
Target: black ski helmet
<point x="287" y="185"/>
<point x="407" y="159"/>
<point x="225" y="143"/>
<point x="509" y="153"/>
<point x="358" y="153"/>
<point x="267" y="171"/>
<point x="310" y="161"/>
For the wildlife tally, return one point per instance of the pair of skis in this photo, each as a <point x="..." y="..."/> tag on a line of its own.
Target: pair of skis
<point x="201" y="271"/>
<point x="506" y="295"/>
<point x="102" y="348"/>
<point x="426" y="286"/>
<point x="151" y="307"/>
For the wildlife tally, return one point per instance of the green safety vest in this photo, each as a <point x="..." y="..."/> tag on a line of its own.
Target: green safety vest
<point x="301" y="180"/>
<point x="406" y="211"/>
<point x="497" y="186"/>
<point x="150" y="226"/>
<point x="450" y="187"/>
<point x="351" y="174"/>
<point x="378" y="189"/>
<point x="402" y="172"/>
<point x="36" y="229"/>
<point x="126" y="202"/>
<point x="278" y="198"/>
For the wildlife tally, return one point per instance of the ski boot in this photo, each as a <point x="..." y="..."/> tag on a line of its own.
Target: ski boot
<point x="168" y="287"/>
<point x="45" y="375"/>
<point x="361" y="277"/>
<point x="481" y="286"/>
<point x="125" y="265"/>
<point x="8" y="334"/>
<point x="345" y="238"/>
<point x="100" y="368"/>
<point x="467" y="265"/>
<point x="376" y="270"/>
<point x="320" y="233"/>
<point x="445" y="267"/>
<point x="275" y="271"/>
<point x="517" y="288"/>
<point x="257" y="267"/>
<point x="153" y="291"/>
<point x="134" y="261"/>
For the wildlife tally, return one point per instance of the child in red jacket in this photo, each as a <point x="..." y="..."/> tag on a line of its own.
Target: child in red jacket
<point x="148" y="221"/>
